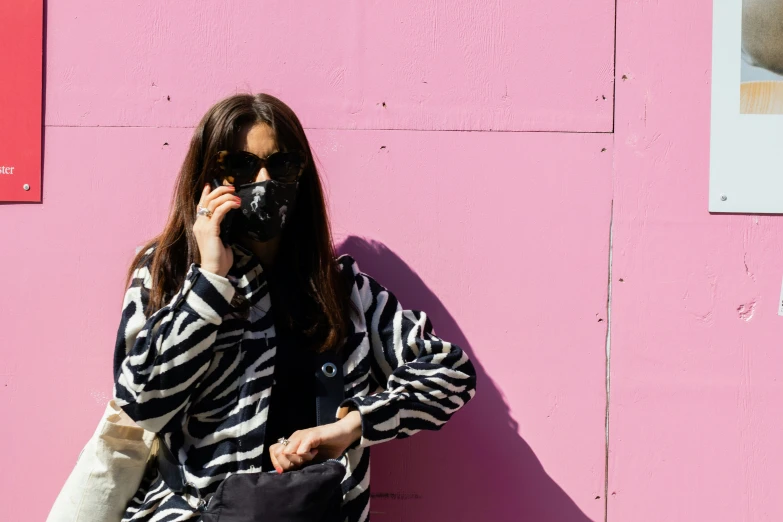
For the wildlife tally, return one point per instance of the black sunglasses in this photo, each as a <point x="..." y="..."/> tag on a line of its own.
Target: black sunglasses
<point x="241" y="167"/>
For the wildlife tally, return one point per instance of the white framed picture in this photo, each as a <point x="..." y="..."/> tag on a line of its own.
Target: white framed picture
<point x="746" y="137"/>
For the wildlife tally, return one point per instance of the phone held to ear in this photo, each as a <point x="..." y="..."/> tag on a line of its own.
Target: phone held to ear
<point x="226" y="233"/>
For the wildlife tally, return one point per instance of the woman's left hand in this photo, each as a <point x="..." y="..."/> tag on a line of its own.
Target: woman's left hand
<point x="327" y="442"/>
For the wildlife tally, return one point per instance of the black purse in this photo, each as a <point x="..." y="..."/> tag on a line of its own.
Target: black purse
<point x="311" y="494"/>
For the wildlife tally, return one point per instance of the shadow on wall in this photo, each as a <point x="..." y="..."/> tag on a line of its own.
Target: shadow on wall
<point x="477" y="467"/>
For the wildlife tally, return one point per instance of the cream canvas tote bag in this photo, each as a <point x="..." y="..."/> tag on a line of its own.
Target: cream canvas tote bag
<point x="108" y="471"/>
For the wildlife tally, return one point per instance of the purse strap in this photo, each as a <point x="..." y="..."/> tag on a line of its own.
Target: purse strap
<point x="329" y="395"/>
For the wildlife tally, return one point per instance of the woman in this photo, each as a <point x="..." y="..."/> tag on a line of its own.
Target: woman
<point x="217" y="345"/>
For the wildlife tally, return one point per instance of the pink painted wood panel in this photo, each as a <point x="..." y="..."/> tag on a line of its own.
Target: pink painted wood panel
<point x="501" y="237"/>
<point x="508" y="234"/>
<point x="62" y="282"/>
<point x="696" y="360"/>
<point x="457" y="65"/>
<point x="509" y="259"/>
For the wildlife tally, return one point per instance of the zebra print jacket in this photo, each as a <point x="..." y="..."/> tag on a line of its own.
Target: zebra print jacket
<point x="202" y="377"/>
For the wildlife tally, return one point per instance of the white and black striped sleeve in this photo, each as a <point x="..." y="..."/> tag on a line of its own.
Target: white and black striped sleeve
<point x="159" y="358"/>
<point x="425" y="378"/>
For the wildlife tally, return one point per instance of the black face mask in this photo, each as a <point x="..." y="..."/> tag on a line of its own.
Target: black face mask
<point x="265" y="208"/>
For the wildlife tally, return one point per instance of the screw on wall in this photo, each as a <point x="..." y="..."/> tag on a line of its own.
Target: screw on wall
<point x="26" y="186"/>
<point x="723" y="197"/>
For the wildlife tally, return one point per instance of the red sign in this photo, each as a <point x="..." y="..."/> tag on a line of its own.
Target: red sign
<point x="21" y="99"/>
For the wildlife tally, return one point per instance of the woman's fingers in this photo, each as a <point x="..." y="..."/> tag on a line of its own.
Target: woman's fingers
<point x="298" y="455"/>
<point x="212" y="199"/>
<point x="295" y="461"/>
<point x="209" y="194"/>
<point x="204" y="193"/>
<point x="279" y="462"/>
<point x="273" y="457"/>
<point x="310" y="455"/>
<point x="222" y="210"/>
<point x="292" y="456"/>
<point x="292" y="444"/>
<point x="283" y="461"/>
<point x="215" y="203"/>
<point x="221" y="190"/>
<point x="304" y="442"/>
<point x="216" y="257"/>
<point x="308" y="445"/>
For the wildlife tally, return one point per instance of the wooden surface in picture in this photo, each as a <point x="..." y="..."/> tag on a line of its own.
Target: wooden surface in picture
<point x="761" y="97"/>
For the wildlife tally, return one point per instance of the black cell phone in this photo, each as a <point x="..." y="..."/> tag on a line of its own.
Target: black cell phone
<point x="226" y="229"/>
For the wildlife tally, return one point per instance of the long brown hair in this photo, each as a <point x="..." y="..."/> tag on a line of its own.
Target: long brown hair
<point x="315" y="301"/>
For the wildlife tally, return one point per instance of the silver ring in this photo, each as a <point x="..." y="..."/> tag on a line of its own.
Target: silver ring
<point x="202" y="504"/>
<point x="283" y="441"/>
<point x="329" y="369"/>
<point x="202" y="211"/>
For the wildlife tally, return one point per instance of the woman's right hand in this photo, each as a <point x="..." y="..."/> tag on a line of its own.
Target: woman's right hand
<point x="215" y="256"/>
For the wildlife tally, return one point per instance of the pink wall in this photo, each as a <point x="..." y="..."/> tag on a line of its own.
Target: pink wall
<point x="503" y="236"/>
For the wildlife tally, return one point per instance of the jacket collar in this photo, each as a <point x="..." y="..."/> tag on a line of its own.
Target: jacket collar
<point x="247" y="275"/>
